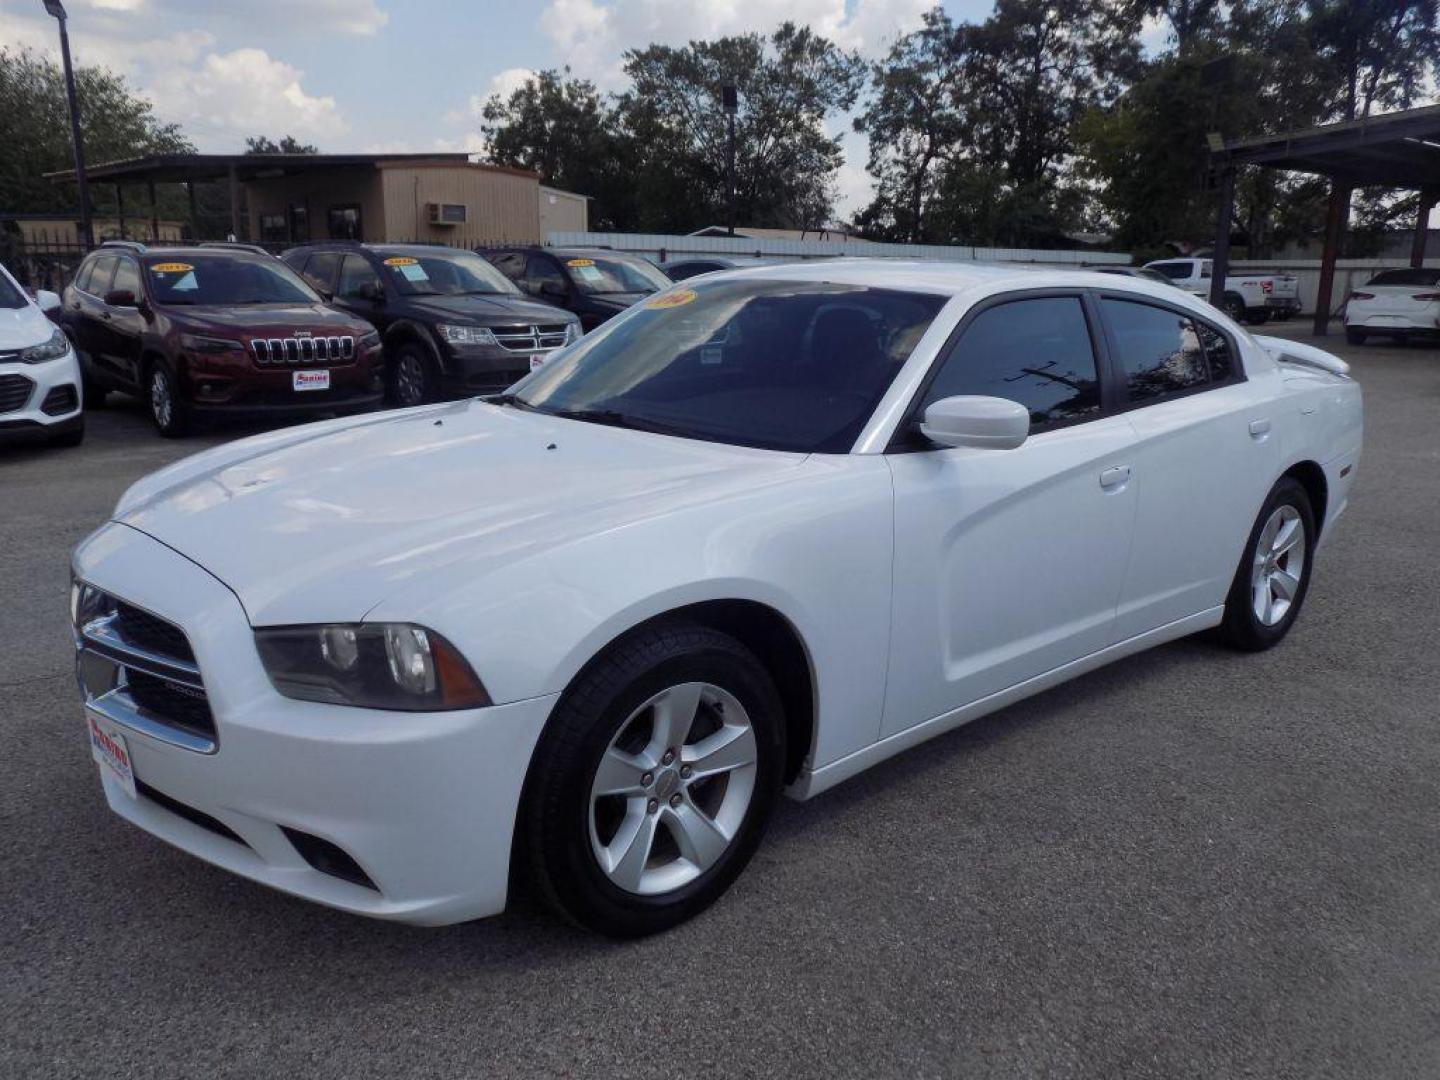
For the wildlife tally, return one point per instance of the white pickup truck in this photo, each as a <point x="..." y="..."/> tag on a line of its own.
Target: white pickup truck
<point x="1252" y="298"/>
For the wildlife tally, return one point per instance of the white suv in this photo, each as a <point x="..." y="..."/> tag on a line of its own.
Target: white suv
<point x="39" y="377"/>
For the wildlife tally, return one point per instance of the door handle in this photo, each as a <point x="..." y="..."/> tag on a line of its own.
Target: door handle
<point x="1260" y="428"/>
<point x="1115" y="477"/>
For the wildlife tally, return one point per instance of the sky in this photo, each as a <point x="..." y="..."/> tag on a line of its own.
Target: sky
<point x="411" y="75"/>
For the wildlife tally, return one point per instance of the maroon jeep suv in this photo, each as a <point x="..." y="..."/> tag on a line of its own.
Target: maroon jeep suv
<point x="205" y="330"/>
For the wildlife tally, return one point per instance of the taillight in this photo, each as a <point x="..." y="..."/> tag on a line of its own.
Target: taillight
<point x="1266" y="286"/>
<point x="1362" y="296"/>
<point x="1426" y="296"/>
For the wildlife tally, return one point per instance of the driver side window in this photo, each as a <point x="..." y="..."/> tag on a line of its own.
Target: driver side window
<point x="1035" y="351"/>
<point x="358" y="279"/>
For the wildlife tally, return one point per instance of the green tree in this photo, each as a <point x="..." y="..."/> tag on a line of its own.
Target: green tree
<point x="1376" y="53"/>
<point x="35" y="130"/>
<point x="790" y="84"/>
<point x="288" y="144"/>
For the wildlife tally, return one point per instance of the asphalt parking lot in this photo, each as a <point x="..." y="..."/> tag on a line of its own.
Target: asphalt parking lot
<point x="1192" y="863"/>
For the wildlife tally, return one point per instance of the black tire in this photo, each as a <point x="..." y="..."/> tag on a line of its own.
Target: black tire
<point x="414" y="378"/>
<point x="174" y="422"/>
<point x="1234" y="306"/>
<point x="554" y="830"/>
<point x="1242" y="628"/>
<point x="1354" y="336"/>
<point x="1258" y="316"/>
<point x="73" y="437"/>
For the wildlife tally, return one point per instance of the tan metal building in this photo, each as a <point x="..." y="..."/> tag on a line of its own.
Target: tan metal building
<point x="282" y="199"/>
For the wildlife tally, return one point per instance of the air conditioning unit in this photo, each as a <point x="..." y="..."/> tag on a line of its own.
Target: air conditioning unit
<point x="448" y="213"/>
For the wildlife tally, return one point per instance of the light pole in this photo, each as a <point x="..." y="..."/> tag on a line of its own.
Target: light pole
<point x="57" y="9"/>
<point x="729" y="100"/>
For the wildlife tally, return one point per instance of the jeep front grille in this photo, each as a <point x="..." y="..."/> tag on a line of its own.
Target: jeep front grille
<point x="302" y="350"/>
<point x="139" y="671"/>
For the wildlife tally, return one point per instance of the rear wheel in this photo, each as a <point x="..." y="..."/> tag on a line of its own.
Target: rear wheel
<point x="162" y="394"/>
<point x="1354" y="336"/>
<point x="1234" y="307"/>
<point x="654" y="781"/>
<point x="1274" y="572"/>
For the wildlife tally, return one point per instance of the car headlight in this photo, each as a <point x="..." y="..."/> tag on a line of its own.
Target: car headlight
<point x="466" y="335"/>
<point x="52" y="349"/>
<point x="370" y="340"/>
<point x="573" y="333"/>
<point x="200" y="344"/>
<point x="372" y="665"/>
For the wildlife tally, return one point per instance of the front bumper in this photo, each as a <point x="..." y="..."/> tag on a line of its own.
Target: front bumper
<point x="232" y="382"/>
<point x="51" y="404"/>
<point x="424" y="803"/>
<point x="473" y="370"/>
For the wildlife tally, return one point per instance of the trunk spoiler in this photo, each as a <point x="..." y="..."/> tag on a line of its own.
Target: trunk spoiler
<point x="1293" y="352"/>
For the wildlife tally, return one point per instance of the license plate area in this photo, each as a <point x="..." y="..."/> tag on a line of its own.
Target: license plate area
<point x="111" y="752"/>
<point x="310" y="380"/>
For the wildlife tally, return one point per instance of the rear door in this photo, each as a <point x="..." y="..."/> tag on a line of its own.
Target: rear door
<point x="1204" y="457"/>
<point x="95" y="319"/>
<point x="1009" y="563"/>
<point x="358" y="288"/>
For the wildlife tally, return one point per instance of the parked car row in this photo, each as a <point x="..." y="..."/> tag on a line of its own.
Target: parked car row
<point x="336" y="327"/>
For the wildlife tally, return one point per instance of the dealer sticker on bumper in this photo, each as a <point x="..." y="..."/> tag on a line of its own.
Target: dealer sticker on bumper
<point x="311" y="380"/>
<point x="536" y="360"/>
<point x="107" y="747"/>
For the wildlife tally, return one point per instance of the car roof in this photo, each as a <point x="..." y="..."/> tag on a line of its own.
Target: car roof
<point x="190" y="251"/>
<point x="951" y="278"/>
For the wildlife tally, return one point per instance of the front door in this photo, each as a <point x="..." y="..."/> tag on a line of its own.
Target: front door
<point x="1009" y="563"/>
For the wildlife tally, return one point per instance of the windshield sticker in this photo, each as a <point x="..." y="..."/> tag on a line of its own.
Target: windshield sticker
<point x="673" y="299"/>
<point x="580" y="262"/>
<point x="171" y="268"/>
<point x="401" y="260"/>
<point x="413" y="272"/>
<point x="589" y="272"/>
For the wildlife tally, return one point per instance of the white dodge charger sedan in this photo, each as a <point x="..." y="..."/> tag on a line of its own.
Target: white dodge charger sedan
<point x="757" y="534"/>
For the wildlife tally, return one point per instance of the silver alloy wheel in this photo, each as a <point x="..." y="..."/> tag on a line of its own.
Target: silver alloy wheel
<point x="410" y="379"/>
<point x="1279" y="564"/>
<point x="672" y="788"/>
<point x="162" y="402"/>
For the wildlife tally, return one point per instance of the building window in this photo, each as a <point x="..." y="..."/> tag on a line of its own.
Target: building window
<point x="345" y="222"/>
<point x="272" y="228"/>
<point x="299" y="222"/>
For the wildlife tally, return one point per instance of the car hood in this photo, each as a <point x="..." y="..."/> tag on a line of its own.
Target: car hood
<point x="489" y="310"/>
<point x="267" y="318"/>
<point x="322" y="523"/>
<point x="22" y="327"/>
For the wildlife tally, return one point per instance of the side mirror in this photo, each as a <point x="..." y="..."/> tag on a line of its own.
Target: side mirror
<point x="120" y="298"/>
<point x="981" y="423"/>
<point x="47" y="300"/>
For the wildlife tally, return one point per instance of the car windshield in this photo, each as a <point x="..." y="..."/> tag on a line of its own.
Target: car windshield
<point x="602" y="274"/>
<point x="1426" y="278"/>
<point x="782" y="365"/>
<point x="224" y="281"/>
<point x="10" y="296"/>
<point x="444" y="273"/>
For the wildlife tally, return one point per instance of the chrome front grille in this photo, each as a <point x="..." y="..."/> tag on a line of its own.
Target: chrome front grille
<point x="302" y="350"/>
<point x="530" y="338"/>
<point x="14" y="392"/>
<point x="139" y="671"/>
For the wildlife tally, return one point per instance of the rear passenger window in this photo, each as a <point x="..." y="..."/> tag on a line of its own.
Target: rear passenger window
<point x="320" y="270"/>
<point x="1219" y="352"/>
<point x="98" y="283"/>
<point x="511" y="264"/>
<point x="127" y="276"/>
<point x="1036" y="352"/>
<point x="1159" y="351"/>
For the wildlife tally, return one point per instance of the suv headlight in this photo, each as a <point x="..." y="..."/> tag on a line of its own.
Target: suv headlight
<point x="54" y="348"/>
<point x="466" y="335"/>
<point x="372" y="665"/>
<point x="200" y="344"/>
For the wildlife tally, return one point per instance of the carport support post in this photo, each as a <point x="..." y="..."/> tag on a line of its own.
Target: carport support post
<point x="235" y="204"/>
<point x="120" y="208"/>
<point x="154" y="215"/>
<point x="1335" y="216"/>
<point x="1422" y="226"/>
<point x="194" y="211"/>
<point x="1220" y="259"/>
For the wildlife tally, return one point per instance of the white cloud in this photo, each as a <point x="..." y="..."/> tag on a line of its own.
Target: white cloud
<point x="227" y="96"/>
<point x="504" y="84"/>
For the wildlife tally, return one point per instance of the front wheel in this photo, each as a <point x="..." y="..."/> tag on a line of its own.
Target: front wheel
<point x="1274" y="572"/>
<point x="167" y="409"/>
<point x="413" y="380"/>
<point x="654" y="780"/>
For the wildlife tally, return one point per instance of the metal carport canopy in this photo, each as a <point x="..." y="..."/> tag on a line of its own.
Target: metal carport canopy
<point x="1398" y="150"/>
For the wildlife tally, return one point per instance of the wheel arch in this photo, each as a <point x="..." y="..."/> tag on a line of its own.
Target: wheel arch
<point x="1311" y="477"/>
